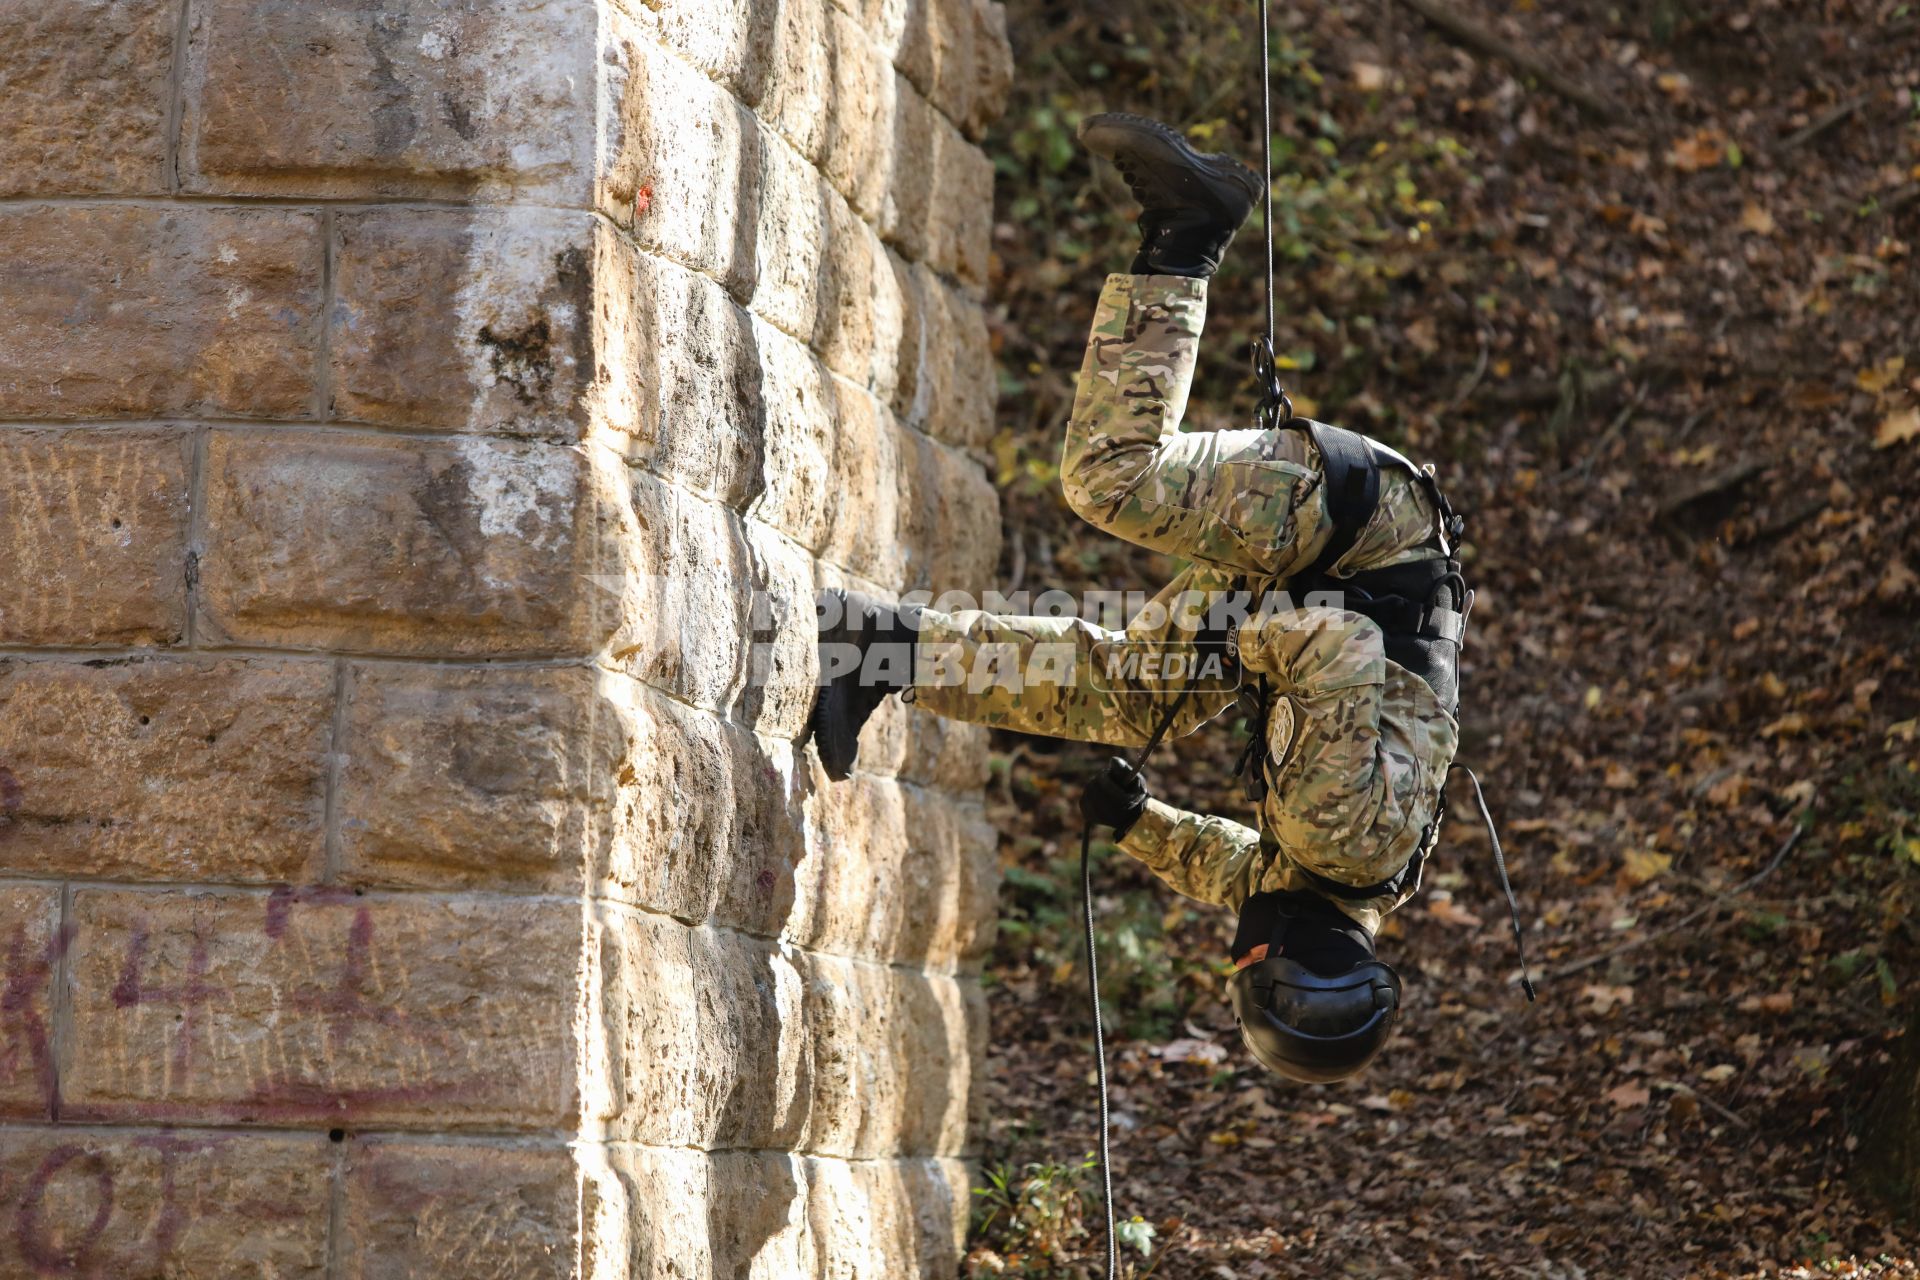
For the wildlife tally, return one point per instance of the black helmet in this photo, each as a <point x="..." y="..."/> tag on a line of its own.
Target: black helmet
<point x="1312" y="1024"/>
<point x="1314" y="1029"/>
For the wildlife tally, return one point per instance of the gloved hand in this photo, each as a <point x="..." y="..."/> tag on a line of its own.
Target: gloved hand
<point x="1115" y="798"/>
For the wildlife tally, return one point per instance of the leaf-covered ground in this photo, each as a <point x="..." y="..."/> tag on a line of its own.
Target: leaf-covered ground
<point x="1667" y="357"/>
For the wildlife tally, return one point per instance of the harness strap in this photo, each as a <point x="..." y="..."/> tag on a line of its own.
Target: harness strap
<point x="1392" y="887"/>
<point x="1351" y="473"/>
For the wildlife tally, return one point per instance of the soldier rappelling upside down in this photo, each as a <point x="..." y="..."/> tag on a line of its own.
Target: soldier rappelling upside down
<point x="1354" y="706"/>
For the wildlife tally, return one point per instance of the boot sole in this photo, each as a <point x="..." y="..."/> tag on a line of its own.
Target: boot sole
<point x="1177" y="149"/>
<point x="826" y="727"/>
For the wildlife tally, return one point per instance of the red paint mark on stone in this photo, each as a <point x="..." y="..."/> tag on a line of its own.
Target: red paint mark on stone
<point x="279" y="906"/>
<point x="168" y="1221"/>
<point x="766" y="880"/>
<point x="21" y="1027"/>
<point x="40" y="1247"/>
<point x="346" y="1005"/>
<point x="132" y="990"/>
<point x="643" y="199"/>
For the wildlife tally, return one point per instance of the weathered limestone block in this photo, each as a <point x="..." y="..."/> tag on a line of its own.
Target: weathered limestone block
<point x="857" y="147"/>
<point x="783" y="635"/>
<point x="765" y="1214"/>
<point x="703" y="1036"/>
<point x="866" y="502"/>
<point x="960" y="228"/>
<point x="165" y="769"/>
<point x="81" y="1202"/>
<point x="947" y="755"/>
<point x="730" y="40"/>
<point x="644" y="1032"/>
<point x="891" y="1057"/>
<point x="317" y="1006"/>
<point x="30" y="950"/>
<point x="491" y="99"/>
<point x="817" y="264"/>
<point x="476" y="777"/>
<point x="886" y="1217"/>
<point x="149" y="311"/>
<point x="677" y="805"/>
<point x="957" y="383"/>
<point x="897" y="334"/>
<point x="907" y="213"/>
<point x="402" y="546"/>
<point x="935" y="50"/>
<point x="86" y="85"/>
<point x="799" y="76"/>
<point x="955" y="52"/>
<point x="801" y="441"/>
<point x="950" y="868"/>
<point x="681" y="160"/>
<point x="851" y="894"/>
<point x="93" y="536"/>
<point x="700" y="408"/>
<point x="757" y="1216"/>
<point x="479" y="1212"/>
<point x="717" y="1039"/>
<point x="464" y="320"/>
<point x="750" y="1086"/>
<point x="710" y="816"/>
<point x="894" y="873"/>
<point x="950" y="509"/>
<point x="688" y="627"/>
<point x="992" y="69"/>
<point x="665" y="1213"/>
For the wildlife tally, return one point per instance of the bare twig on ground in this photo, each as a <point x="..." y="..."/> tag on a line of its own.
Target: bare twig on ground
<point x="1687" y="921"/>
<point x="1478" y="38"/>
<point x="1791" y="519"/>
<point x="1584" y="467"/>
<point x="1719" y="482"/>
<point x="1824" y="122"/>
<point x="1472" y="383"/>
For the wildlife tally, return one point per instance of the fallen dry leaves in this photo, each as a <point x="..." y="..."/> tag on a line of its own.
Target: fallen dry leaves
<point x="1601" y="318"/>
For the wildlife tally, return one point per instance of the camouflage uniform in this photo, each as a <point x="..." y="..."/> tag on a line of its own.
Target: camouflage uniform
<point x="1357" y="747"/>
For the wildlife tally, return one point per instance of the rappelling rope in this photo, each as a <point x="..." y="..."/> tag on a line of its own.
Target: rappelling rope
<point x="1275" y="410"/>
<point x="1093" y="985"/>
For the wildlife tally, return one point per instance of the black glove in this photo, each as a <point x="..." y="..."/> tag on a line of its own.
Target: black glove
<point x="1115" y="798"/>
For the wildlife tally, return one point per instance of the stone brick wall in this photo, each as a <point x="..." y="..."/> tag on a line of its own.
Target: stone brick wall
<point x="423" y="428"/>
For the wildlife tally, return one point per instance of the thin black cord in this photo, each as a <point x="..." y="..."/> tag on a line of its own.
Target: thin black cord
<point x="1093" y="987"/>
<point x="1506" y="885"/>
<point x="1276" y="409"/>
<point x="1099" y="1045"/>
<point x="1266" y="152"/>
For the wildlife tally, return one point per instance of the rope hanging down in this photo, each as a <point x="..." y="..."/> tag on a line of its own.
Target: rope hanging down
<point x="1093" y="986"/>
<point x="1275" y="410"/>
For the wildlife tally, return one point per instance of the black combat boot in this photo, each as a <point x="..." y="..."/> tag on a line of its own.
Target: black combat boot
<point x="1191" y="203"/>
<point x="866" y="653"/>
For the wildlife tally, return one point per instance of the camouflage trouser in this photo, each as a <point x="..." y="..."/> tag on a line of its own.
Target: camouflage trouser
<point x="1356" y="746"/>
